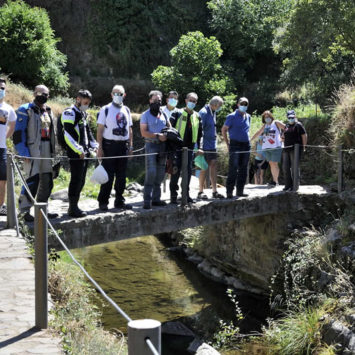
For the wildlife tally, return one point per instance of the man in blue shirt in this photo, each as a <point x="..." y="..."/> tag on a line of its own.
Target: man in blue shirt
<point x="209" y="144"/>
<point x="151" y="124"/>
<point x="237" y="124"/>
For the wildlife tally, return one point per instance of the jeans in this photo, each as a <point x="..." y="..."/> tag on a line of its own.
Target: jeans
<point x="238" y="166"/>
<point x="154" y="171"/>
<point x="175" y="177"/>
<point x="288" y="161"/>
<point x="114" y="168"/>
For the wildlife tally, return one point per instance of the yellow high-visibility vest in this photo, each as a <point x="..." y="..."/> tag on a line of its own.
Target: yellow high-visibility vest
<point x="181" y="124"/>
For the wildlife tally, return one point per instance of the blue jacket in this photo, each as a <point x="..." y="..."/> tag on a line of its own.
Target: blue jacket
<point x="208" y="128"/>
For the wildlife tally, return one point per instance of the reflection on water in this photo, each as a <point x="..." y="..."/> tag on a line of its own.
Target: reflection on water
<point x="147" y="281"/>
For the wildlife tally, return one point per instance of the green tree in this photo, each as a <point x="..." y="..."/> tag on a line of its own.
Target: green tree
<point x="245" y="30"/>
<point x="195" y="67"/>
<point x="28" y="47"/>
<point x="318" y="46"/>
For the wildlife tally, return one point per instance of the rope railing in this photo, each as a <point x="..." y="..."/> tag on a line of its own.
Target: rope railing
<point x="42" y="223"/>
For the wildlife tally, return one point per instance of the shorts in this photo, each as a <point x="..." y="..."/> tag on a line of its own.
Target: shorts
<point x="210" y="154"/>
<point x="263" y="166"/>
<point x="3" y="164"/>
<point x="273" y="155"/>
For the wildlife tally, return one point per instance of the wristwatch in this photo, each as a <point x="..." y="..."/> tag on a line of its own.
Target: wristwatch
<point x="131" y="147"/>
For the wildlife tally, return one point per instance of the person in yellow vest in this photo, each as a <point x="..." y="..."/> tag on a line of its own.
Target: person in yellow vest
<point x="188" y="124"/>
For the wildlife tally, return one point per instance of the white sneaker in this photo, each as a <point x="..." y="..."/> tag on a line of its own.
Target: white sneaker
<point x="3" y="210"/>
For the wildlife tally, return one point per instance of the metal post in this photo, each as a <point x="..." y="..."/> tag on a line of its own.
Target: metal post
<point x="41" y="271"/>
<point x="296" y="162"/>
<point x="164" y="182"/>
<point x="184" y="176"/>
<point x="340" y="169"/>
<point x="11" y="204"/>
<point x="141" y="330"/>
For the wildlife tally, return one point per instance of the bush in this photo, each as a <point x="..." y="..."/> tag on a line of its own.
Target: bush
<point x="28" y="47"/>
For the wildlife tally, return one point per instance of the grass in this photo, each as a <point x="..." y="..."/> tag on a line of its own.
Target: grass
<point x="75" y="316"/>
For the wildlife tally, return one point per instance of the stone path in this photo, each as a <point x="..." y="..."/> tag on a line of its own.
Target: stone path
<point x="17" y="301"/>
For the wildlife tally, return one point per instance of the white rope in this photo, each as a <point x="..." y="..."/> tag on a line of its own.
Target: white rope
<point x="103" y="293"/>
<point x="151" y="347"/>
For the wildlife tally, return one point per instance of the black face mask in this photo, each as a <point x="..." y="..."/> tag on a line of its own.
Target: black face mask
<point x="154" y="108"/>
<point x="40" y="99"/>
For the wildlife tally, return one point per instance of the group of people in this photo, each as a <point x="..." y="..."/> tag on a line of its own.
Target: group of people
<point x="34" y="137"/>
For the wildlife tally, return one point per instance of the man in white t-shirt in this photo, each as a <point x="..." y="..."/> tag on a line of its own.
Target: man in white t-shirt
<point x="115" y="138"/>
<point x="7" y="127"/>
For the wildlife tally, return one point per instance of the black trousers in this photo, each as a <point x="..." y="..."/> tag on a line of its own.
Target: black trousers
<point x="115" y="168"/>
<point x="174" y="180"/>
<point x="78" y="169"/>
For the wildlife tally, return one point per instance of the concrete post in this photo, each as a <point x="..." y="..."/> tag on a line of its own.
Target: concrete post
<point x="141" y="330"/>
<point x="184" y="176"/>
<point x="340" y="169"/>
<point x="41" y="267"/>
<point x="296" y="167"/>
<point x="11" y="204"/>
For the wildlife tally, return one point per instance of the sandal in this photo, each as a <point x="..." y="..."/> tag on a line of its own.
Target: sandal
<point x="216" y="194"/>
<point x="202" y="196"/>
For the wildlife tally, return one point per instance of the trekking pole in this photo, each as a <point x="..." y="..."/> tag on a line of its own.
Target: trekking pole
<point x="296" y="167"/>
<point x="184" y="176"/>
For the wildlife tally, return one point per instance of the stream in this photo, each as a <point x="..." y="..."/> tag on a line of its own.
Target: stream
<point x="148" y="281"/>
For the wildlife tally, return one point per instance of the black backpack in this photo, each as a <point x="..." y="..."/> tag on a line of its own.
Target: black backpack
<point x="60" y="132"/>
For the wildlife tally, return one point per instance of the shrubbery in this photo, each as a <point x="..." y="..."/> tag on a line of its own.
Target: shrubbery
<point x="28" y="47"/>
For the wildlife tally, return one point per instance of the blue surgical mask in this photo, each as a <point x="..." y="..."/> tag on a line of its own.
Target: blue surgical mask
<point x="83" y="108"/>
<point x="2" y="94"/>
<point x="268" y="120"/>
<point x="291" y="120"/>
<point x="190" y="105"/>
<point x="219" y="109"/>
<point x="172" y="102"/>
<point x="243" y="108"/>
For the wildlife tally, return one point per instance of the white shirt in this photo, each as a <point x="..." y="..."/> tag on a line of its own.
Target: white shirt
<point x="7" y="114"/>
<point x="167" y="112"/>
<point x="117" y="122"/>
<point x="271" y="136"/>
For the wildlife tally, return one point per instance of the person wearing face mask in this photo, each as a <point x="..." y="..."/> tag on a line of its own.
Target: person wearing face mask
<point x="115" y="138"/>
<point x="294" y="133"/>
<point x="170" y="108"/>
<point x="7" y="127"/>
<point x="34" y="137"/>
<point x="188" y="124"/>
<point x="272" y="144"/>
<point x="79" y="142"/>
<point x="151" y="124"/>
<point x="208" y="116"/>
<point x="237" y="125"/>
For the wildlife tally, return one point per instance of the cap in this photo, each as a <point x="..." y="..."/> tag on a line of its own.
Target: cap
<point x="291" y="114"/>
<point x="243" y="99"/>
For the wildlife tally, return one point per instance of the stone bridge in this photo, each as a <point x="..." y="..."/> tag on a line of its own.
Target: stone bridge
<point x="100" y="227"/>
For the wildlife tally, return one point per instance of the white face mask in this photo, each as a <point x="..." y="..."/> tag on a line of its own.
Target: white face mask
<point x="118" y="99"/>
<point x="84" y="107"/>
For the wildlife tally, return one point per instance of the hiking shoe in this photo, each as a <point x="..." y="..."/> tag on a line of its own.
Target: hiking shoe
<point x="190" y="200"/>
<point x="242" y="195"/>
<point x="52" y="215"/>
<point x="123" y="206"/>
<point x="202" y="196"/>
<point x="229" y="195"/>
<point x="173" y="200"/>
<point x="76" y="212"/>
<point x="159" y="203"/>
<point x="147" y="206"/>
<point x="28" y="217"/>
<point x="3" y="210"/>
<point x="216" y="194"/>
<point x="272" y="184"/>
<point x="287" y="189"/>
<point x="103" y="207"/>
